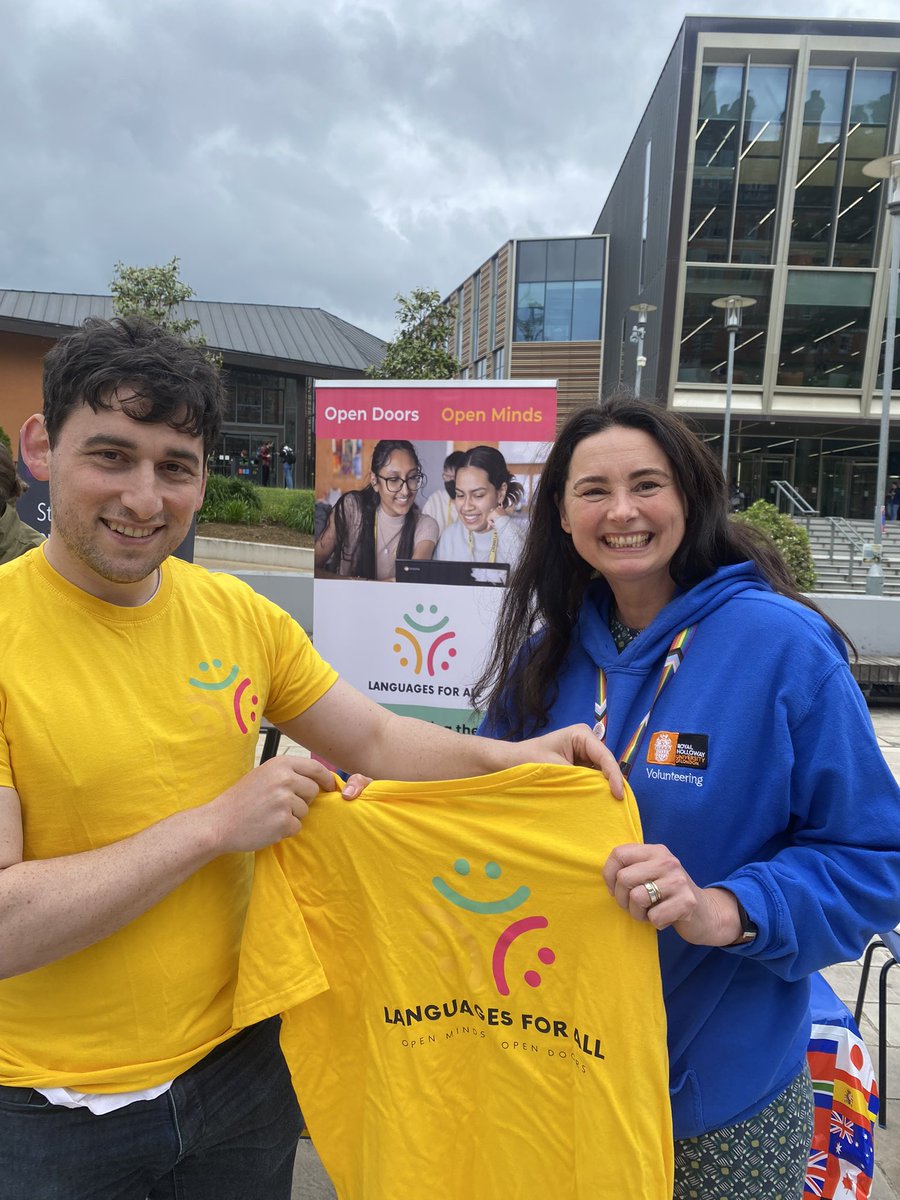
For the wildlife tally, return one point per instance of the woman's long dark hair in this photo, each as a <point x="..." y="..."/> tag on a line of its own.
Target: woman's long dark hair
<point x="491" y="461"/>
<point x="362" y="555"/>
<point x="547" y="588"/>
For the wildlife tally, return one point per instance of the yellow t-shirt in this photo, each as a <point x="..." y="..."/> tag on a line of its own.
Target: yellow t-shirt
<point x="111" y="719"/>
<point x="494" y="1027"/>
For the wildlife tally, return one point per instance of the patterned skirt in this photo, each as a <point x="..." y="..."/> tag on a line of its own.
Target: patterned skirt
<point x="762" y="1158"/>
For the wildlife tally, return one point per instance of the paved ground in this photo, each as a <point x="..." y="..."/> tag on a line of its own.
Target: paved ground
<point x="311" y="1182"/>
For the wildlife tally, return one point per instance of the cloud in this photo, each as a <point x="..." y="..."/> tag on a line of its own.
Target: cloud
<point x="296" y="153"/>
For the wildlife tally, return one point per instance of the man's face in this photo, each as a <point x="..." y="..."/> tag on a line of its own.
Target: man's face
<point x="123" y="495"/>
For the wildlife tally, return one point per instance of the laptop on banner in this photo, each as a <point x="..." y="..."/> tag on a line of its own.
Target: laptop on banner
<point x="465" y="574"/>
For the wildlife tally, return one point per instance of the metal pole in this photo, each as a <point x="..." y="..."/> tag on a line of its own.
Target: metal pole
<point x="726" y="429"/>
<point x="875" y="577"/>
<point x="638" y="368"/>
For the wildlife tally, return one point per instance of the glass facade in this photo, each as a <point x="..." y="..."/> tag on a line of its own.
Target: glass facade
<point x="559" y="290"/>
<point x="254" y="397"/>
<point x="825" y="329"/>
<point x="704" y="341"/>
<point x="738" y="151"/>
<point x="846" y="113"/>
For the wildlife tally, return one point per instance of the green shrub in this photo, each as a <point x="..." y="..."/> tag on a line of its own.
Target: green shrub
<point x="4" y="438"/>
<point x="227" y="495"/>
<point x="236" y="511"/>
<point x="790" y="539"/>
<point x="220" y="490"/>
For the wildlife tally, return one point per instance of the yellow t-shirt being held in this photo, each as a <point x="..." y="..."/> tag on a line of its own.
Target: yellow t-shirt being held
<point x="494" y="1027"/>
<point x="110" y="719"/>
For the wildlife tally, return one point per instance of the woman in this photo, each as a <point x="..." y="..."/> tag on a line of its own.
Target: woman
<point x="15" y="536"/>
<point x="772" y="823"/>
<point x="485" y="497"/>
<point x="368" y="530"/>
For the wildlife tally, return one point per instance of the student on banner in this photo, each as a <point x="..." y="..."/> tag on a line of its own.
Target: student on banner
<point x="486" y="495"/>
<point x="369" y="529"/>
<point x="441" y="504"/>
<point x="771" y="820"/>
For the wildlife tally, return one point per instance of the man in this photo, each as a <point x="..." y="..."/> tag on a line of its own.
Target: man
<point x="132" y="688"/>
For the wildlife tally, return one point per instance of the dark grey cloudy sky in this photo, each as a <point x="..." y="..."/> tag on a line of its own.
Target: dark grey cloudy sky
<point x="327" y="154"/>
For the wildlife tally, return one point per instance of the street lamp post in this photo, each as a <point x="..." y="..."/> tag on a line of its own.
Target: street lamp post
<point x="885" y="168"/>
<point x="733" y="307"/>
<point x="637" y="339"/>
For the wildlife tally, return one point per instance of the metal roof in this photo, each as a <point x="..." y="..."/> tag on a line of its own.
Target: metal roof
<point x="309" y="336"/>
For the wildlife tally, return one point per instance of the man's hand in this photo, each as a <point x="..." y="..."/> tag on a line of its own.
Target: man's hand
<point x="702" y="916"/>
<point x="268" y="803"/>
<point x="579" y="745"/>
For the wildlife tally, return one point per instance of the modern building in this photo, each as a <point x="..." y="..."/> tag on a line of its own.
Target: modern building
<point x="745" y="177"/>
<point x="534" y="310"/>
<point x="271" y="355"/>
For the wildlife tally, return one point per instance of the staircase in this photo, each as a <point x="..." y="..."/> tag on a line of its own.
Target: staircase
<point x="836" y="547"/>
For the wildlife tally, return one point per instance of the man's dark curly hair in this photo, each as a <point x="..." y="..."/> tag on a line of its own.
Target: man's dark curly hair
<point x="173" y="380"/>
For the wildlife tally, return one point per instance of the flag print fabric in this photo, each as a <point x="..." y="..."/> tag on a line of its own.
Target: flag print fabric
<point x="842" y="1158"/>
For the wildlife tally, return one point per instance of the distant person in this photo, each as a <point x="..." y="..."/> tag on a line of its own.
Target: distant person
<point x="486" y="497"/>
<point x="441" y="504"/>
<point x="369" y="529"/>
<point x="264" y="459"/>
<point x="288" y="458"/>
<point x="893" y="501"/>
<point x="15" y="536"/>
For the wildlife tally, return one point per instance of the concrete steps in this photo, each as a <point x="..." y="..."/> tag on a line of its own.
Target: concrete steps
<point x="838" y="564"/>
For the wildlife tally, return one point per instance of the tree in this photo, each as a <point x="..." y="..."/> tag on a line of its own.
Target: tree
<point x="789" y="537"/>
<point x="419" y="351"/>
<point x="154" y="293"/>
<point x="4" y="438"/>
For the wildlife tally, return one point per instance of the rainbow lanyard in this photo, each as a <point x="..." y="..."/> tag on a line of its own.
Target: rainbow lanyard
<point x="495" y="541"/>
<point x="677" y="651"/>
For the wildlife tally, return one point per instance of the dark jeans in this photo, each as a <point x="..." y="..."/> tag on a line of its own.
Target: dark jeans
<point x="226" y="1130"/>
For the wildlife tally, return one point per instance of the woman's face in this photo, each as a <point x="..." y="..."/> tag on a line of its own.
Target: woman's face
<point x="476" y="498"/>
<point x="399" y="466"/>
<point x="624" y="511"/>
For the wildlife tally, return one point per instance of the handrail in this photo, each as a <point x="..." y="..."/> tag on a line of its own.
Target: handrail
<point x="793" y="498"/>
<point x="797" y="502"/>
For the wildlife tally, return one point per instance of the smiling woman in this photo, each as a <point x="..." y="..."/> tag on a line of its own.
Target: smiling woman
<point x="771" y="820"/>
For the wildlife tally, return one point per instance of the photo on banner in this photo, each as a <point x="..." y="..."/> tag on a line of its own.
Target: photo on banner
<point x="423" y="490"/>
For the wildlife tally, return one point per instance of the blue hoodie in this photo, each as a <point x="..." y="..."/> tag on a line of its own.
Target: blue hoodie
<point x="783" y="797"/>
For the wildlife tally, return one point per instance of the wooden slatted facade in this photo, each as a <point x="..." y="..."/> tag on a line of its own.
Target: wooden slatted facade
<point x="575" y="365"/>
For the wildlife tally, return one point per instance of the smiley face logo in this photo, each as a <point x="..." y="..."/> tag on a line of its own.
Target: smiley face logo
<point x="487" y="907"/>
<point x="211" y="684"/>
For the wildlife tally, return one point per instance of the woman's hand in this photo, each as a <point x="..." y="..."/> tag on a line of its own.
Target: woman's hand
<point x="702" y="916"/>
<point x="579" y="745"/>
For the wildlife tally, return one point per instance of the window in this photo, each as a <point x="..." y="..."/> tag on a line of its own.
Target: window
<point x="480" y="368"/>
<point x="704" y="340"/>
<point x="826" y="326"/>
<point x="559" y="290"/>
<point x="458" y="331"/>
<point x="476" y="312"/>
<point x="492" y="320"/>
<point x="738" y="147"/>
<point x="645" y="215"/>
<point x="836" y="207"/>
<point x="499" y="364"/>
<point x="254" y="397"/>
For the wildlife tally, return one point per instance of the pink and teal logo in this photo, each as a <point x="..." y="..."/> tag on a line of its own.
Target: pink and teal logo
<point x="424" y="641"/>
<point x="244" y="688"/>
<point x="491" y="907"/>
